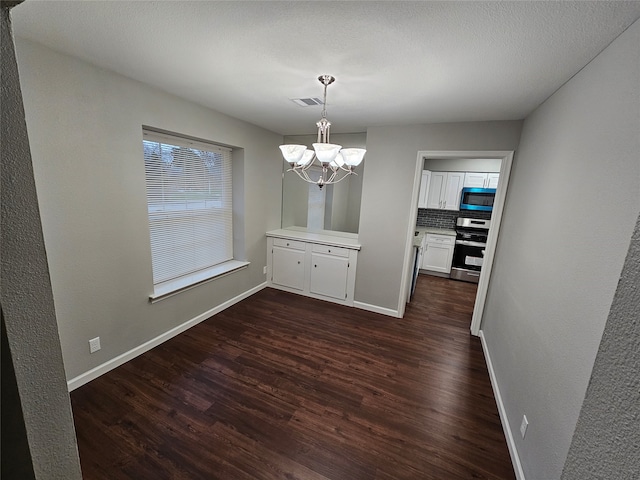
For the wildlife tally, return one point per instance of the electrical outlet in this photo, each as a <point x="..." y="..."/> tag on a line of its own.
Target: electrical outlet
<point x="264" y="270"/>
<point x="94" y="345"/>
<point x="524" y="425"/>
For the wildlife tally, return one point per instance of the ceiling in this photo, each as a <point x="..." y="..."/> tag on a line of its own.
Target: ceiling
<point x="395" y="62"/>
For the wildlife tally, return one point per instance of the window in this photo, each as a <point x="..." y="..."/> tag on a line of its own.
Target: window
<point x="190" y="211"/>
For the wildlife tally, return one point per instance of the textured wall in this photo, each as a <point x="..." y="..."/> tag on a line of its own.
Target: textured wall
<point x="606" y="443"/>
<point x="27" y="301"/>
<point x="573" y="200"/>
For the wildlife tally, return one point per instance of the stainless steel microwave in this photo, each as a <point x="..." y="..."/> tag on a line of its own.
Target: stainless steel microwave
<point x="479" y="199"/>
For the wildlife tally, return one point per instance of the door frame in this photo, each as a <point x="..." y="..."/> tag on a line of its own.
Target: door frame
<point x="506" y="157"/>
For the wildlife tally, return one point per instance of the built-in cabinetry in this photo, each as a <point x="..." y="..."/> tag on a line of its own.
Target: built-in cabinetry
<point x="437" y="253"/>
<point x="444" y="190"/>
<point x="313" y="264"/>
<point x="481" y="180"/>
<point x="441" y="190"/>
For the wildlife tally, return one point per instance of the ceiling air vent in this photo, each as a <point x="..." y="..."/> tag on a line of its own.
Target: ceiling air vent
<point x="306" y="102"/>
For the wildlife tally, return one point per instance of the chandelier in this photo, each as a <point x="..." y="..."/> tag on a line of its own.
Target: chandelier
<point x="337" y="163"/>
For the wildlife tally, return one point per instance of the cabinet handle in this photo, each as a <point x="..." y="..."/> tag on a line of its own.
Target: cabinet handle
<point x="287" y="244"/>
<point x="329" y="250"/>
<point x="298" y="262"/>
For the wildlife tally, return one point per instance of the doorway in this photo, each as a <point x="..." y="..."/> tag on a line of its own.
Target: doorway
<point x="506" y="158"/>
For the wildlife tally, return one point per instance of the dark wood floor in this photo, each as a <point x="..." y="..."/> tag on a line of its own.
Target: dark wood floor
<point x="281" y="386"/>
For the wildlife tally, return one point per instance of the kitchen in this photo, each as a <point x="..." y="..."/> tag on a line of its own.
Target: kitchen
<point x="455" y="204"/>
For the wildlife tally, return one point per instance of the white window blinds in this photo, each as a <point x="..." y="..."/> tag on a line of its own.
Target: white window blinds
<point x="189" y="205"/>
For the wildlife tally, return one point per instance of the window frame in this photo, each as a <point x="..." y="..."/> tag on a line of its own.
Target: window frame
<point x="164" y="288"/>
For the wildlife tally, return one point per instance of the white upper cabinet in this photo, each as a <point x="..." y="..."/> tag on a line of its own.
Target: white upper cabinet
<point x="444" y="190"/>
<point x="492" y="180"/>
<point x="455" y="182"/>
<point x="475" y="180"/>
<point x="481" y="180"/>
<point x="436" y="189"/>
<point x="424" y="189"/>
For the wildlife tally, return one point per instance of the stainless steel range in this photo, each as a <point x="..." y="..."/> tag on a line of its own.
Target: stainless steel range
<point x="468" y="253"/>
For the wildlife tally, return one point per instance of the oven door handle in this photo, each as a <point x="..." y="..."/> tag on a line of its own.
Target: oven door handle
<point x="470" y="243"/>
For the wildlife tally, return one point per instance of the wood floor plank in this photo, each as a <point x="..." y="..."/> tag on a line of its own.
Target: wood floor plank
<point x="281" y="386"/>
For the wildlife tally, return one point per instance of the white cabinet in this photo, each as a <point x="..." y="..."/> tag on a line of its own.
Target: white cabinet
<point x="319" y="270"/>
<point x="329" y="271"/>
<point x="444" y="190"/>
<point x="437" y="253"/>
<point x="492" y="180"/>
<point x="475" y="180"/>
<point x="455" y="180"/>
<point x="481" y="180"/>
<point x="288" y="263"/>
<point x="424" y="189"/>
<point x="437" y="187"/>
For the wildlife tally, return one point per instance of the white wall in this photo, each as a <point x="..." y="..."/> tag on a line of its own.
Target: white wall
<point x="85" y="129"/>
<point x="387" y="195"/>
<point x="573" y="199"/>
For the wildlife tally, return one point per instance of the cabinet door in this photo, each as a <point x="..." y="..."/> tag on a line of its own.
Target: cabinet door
<point x="492" y="180"/>
<point x="287" y="267"/>
<point x="475" y="180"/>
<point x="424" y="189"/>
<point x="455" y="180"/>
<point x="437" y="186"/>
<point x="329" y="275"/>
<point x="437" y="258"/>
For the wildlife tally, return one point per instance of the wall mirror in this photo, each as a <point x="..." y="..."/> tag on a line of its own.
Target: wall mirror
<point x="334" y="207"/>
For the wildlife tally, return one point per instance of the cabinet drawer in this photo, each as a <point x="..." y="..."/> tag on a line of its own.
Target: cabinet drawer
<point x="283" y="242"/>
<point x="440" y="239"/>
<point x="329" y="250"/>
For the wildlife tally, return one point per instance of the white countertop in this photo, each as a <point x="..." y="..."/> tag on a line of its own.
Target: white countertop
<point x="324" y="237"/>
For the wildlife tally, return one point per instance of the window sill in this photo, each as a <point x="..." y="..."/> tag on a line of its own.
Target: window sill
<point x="170" y="288"/>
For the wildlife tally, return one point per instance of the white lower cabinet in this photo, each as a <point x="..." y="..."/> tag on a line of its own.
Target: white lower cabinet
<point x="437" y="254"/>
<point x="329" y="275"/>
<point x="309" y="268"/>
<point x="288" y="265"/>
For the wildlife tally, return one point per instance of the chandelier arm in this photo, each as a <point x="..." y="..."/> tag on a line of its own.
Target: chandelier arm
<point x="340" y="179"/>
<point x="307" y="178"/>
<point x="329" y="181"/>
<point x="302" y="175"/>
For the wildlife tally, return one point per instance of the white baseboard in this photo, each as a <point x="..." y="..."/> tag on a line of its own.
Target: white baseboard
<point x="513" y="451"/>
<point x="376" y="309"/>
<point x="140" y="349"/>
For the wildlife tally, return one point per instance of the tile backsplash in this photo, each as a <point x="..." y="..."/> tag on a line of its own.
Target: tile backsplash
<point x="429" y="217"/>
